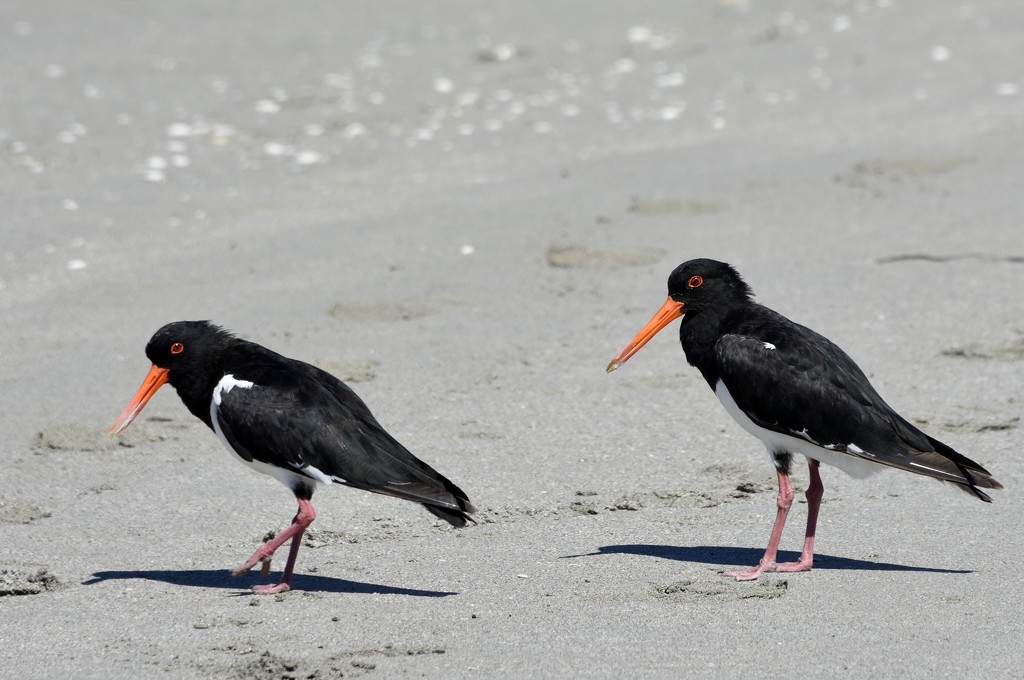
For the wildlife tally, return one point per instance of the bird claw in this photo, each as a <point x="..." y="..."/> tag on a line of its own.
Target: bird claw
<point x="263" y="560"/>
<point x="799" y="565"/>
<point x="240" y="571"/>
<point x="747" y="574"/>
<point x="754" y="573"/>
<point x="275" y="589"/>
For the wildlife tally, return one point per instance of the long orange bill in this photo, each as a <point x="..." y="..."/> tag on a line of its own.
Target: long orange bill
<point x="669" y="312"/>
<point x="154" y="379"/>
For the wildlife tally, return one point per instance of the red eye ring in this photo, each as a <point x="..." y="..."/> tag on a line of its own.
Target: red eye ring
<point x="695" y="282"/>
<point x="177" y="348"/>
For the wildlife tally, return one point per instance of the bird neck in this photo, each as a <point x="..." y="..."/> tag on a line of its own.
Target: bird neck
<point x="196" y="392"/>
<point x="700" y="331"/>
<point x="237" y="358"/>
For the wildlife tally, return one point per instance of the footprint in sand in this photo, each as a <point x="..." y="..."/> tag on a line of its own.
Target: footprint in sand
<point x="575" y="257"/>
<point x="94" y="436"/>
<point x="382" y="311"/>
<point x="26" y="582"/>
<point x="350" y="371"/>
<point x="658" y="205"/>
<point x="692" y="589"/>
<point x="21" y="513"/>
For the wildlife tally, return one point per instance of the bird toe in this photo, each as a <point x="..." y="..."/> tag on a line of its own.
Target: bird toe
<point x="274" y="589"/>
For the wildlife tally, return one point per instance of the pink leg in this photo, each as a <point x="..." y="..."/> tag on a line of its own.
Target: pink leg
<point x="814" y="493"/>
<point x="303" y="518"/>
<point x="767" y="563"/>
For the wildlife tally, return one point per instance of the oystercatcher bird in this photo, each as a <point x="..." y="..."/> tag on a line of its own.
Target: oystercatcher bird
<point x="797" y="392"/>
<point x="290" y="420"/>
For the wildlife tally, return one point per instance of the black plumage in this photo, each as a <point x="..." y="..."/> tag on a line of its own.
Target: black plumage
<point x="795" y="390"/>
<point x="290" y="420"/>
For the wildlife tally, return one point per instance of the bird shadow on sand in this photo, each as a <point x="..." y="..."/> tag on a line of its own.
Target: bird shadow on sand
<point x="220" y="578"/>
<point x="727" y="555"/>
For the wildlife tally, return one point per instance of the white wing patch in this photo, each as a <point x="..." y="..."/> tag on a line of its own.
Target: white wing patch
<point x="769" y="346"/>
<point x="286" y="477"/>
<point x="226" y="384"/>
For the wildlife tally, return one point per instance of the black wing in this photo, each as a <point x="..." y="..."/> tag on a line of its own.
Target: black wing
<point x="791" y="380"/>
<point x="298" y="417"/>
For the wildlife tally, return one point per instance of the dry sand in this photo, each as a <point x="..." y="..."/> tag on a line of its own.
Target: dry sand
<point x="466" y="209"/>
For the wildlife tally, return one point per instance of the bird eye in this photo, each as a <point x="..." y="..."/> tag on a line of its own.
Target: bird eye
<point x="695" y="282"/>
<point x="177" y="348"/>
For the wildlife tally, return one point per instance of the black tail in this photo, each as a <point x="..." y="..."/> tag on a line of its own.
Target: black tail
<point x="974" y="475"/>
<point x="457" y="518"/>
<point x="448" y="502"/>
<point x="457" y="508"/>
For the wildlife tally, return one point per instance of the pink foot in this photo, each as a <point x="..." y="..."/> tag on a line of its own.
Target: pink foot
<point x="751" y="574"/>
<point x="281" y="587"/>
<point x="803" y="564"/>
<point x="800" y="565"/>
<point x="784" y="502"/>
<point x="257" y="557"/>
<point x="265" y="552"/>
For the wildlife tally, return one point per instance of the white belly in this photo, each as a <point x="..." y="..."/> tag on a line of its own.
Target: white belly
<point x="777" y="442"/>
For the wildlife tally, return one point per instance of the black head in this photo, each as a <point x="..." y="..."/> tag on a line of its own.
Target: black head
<point x="700" y="284"/>
<point x="185" y="354"/>
<point x="187" y="346"/>
<point x="693" y="287"/>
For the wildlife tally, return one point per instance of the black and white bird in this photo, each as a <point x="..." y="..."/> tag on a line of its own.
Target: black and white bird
<point x="797" y="392"/>
<point x="290" y="420"/>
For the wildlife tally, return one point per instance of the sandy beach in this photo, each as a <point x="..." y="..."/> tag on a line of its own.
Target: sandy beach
<point x="464" y="210"/>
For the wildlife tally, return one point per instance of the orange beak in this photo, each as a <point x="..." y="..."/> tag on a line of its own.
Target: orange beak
<point x="669" y="312"/>
<point x="154" y="380"/>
